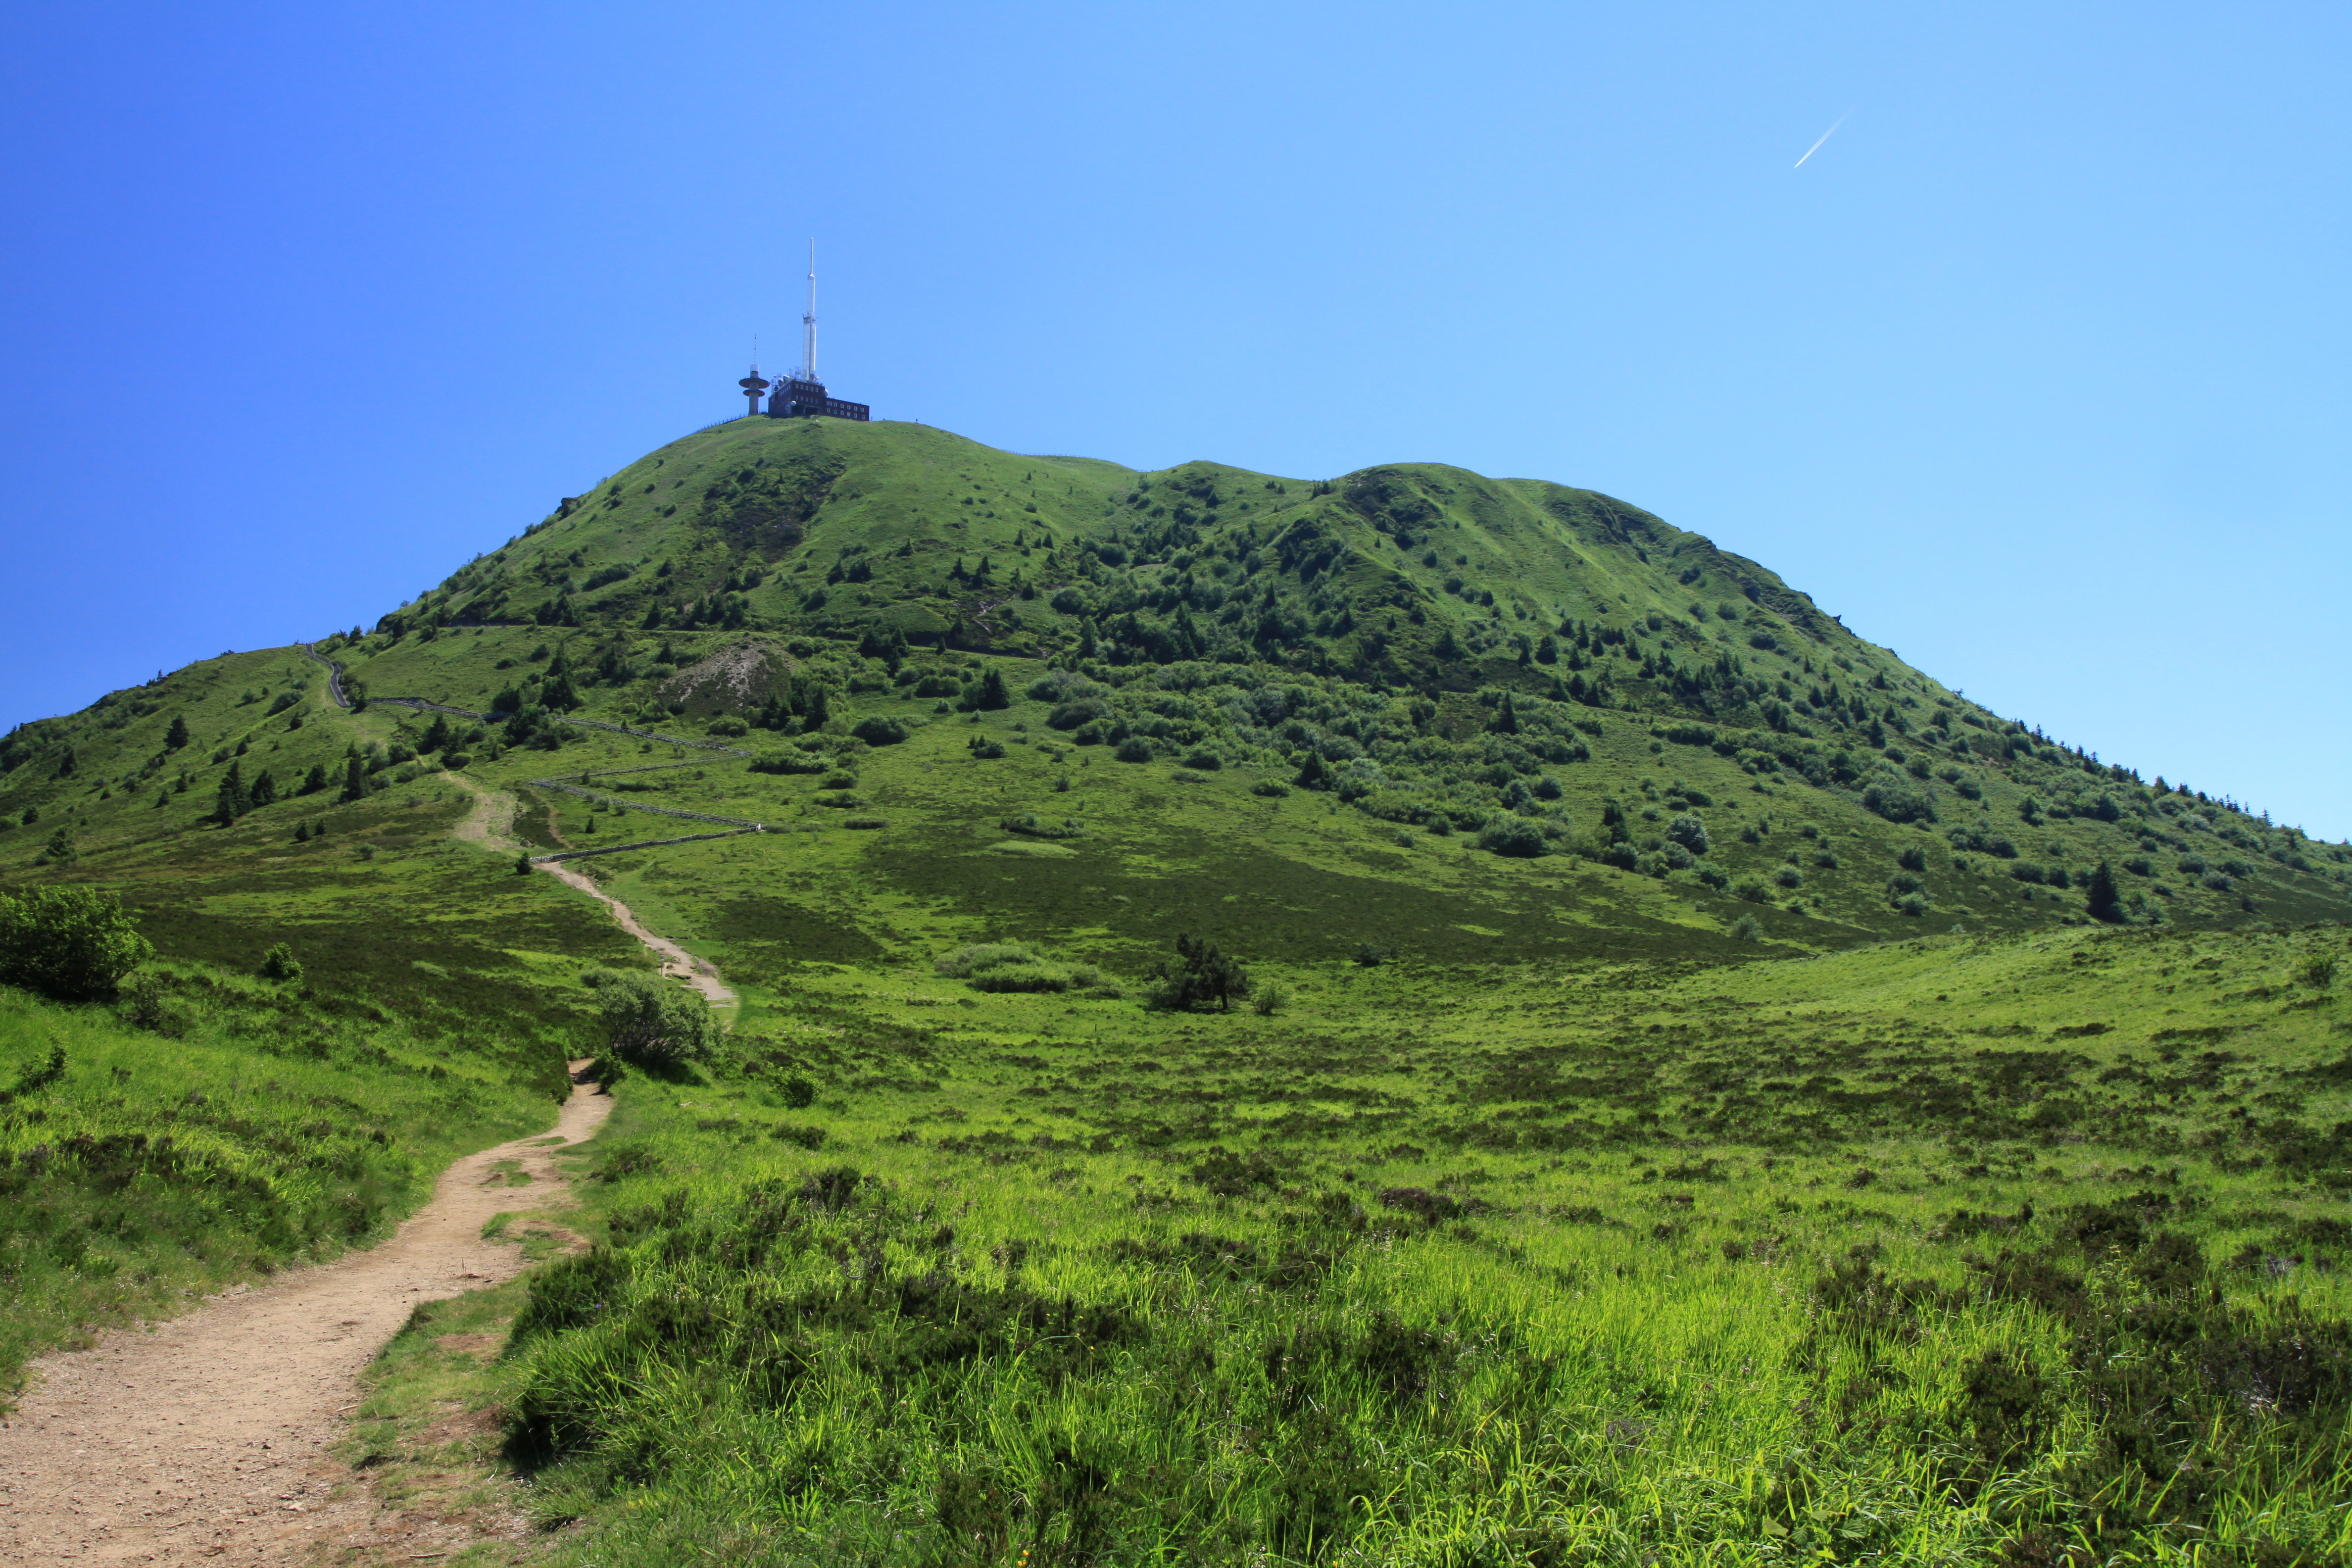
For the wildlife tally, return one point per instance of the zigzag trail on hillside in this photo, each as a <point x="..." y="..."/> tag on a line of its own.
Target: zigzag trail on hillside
<point x="492" y="819"/>
<point x="205" y="1439"/>
<point x="494" y="807"/>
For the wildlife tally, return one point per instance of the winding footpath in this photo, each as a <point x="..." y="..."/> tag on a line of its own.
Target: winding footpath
<point x="492" y="820"/>
<point x="203" y="1438"/>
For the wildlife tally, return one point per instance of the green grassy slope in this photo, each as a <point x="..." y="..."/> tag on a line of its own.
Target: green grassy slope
<point x="1531" y="1225"/>
<point x="391" y="915"/>
<point x="1950" y="1250"/>
<point x="1624" y="675"/>
<point x="214" y="1127"/>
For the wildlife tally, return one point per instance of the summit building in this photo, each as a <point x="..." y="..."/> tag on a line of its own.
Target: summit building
<point x="800" y="395"/>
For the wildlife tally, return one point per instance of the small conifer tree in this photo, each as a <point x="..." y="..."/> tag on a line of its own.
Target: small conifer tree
<point x="231" y="801"/>
<point x="2100" y="894"/>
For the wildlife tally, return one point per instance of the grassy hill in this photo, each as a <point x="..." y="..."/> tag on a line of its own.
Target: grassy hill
<point x="1523" y="1209"/>
<point x="1514" y="719"/>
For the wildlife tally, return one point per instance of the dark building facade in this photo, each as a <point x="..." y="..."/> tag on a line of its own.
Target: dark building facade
<point x="794" y="399"/>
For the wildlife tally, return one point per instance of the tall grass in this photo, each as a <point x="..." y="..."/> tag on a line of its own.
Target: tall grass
<point x="1931" y="1326"/>
<point x="235" y="1132"/>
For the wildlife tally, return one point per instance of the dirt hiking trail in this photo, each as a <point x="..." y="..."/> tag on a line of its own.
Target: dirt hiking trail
<point x="488" y="822"/>
<point x="205" y="1439"/>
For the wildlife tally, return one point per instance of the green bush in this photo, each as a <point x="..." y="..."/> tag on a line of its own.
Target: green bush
<point x="1272" y="789"/>
<point x="1008" y="977"/>
<point x="652" y="1022"/>
<point x="1134" y="748"/>
<point x="1036" y="827"/>
<point x="73" y="943"/>
<point x="1011" y="966"/>
<point x="788" y="761"/>
<point x="1202" y="974"/>
<point x="988" y="692"/>
<point x="280" y="964"/>
<point x="1896" y="798"/>
<point x="880" y="731"/>
<point x="1747" y="929"/>
<point x="1513" y="836"/>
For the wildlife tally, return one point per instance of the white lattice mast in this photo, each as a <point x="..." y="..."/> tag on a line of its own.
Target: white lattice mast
<point x="808" y="322"/>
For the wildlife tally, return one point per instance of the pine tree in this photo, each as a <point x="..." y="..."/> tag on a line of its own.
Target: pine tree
<point x="355" y="781"/>
<point x="231" y="800"/>
<point x="1506" y="718"/>
<point x="178" y="734"/>
<point x="315" y="780"/>
<point x="2104" y="902"/>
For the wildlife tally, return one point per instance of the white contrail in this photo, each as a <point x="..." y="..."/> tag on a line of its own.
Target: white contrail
<point x="1825" y="136"/>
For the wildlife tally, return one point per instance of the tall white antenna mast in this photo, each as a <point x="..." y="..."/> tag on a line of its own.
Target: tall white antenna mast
<point x="808" y="322"/>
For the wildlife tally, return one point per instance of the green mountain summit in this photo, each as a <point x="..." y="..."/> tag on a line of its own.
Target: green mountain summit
<point x="1235" y="1040"/>
<point x="1412" y="708"/>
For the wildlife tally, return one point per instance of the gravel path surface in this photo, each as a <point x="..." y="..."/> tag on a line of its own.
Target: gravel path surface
<point x="204" y="1439"/>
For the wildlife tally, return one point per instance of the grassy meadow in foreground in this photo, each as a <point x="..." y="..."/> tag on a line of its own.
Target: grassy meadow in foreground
<point x="212" y="1128"/>
<point x="1951" y="1250"/>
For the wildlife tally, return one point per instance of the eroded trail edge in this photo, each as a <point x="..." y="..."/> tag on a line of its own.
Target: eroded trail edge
<point x="205" y="1439"/>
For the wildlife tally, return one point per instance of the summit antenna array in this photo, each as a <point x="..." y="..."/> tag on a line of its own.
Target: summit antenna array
<point x="800" y="395"/>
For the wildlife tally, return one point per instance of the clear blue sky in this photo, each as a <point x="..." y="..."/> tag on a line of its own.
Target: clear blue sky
<point x="2035" y="372"/>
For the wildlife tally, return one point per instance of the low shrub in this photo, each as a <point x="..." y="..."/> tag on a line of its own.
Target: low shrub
<point x="1513" y="836"/>
<point x="787" y="761"/>
<point x="1036" y="827"/>
<point x="72" y="942"/>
